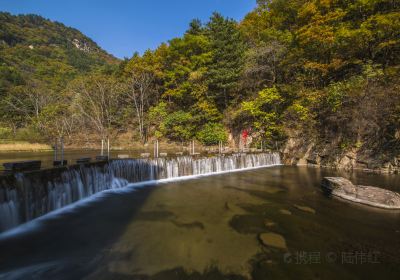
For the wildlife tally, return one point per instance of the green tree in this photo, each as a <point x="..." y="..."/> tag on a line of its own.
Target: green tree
<point x="212" y="134"/>
<point x="177" y="126"/>
<point x="263" y="113"/>
<point x="225" y="67"/>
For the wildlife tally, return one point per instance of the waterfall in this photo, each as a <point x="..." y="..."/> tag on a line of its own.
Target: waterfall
<point x="31" y="195"/>
<point x="9" y="211"/>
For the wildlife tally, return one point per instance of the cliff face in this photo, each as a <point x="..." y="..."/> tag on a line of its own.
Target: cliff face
<point x="361" y="132"/>
<point x="302" y="151"/>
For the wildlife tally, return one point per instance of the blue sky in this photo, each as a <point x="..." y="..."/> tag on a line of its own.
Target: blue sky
<point x="122" y="27"/>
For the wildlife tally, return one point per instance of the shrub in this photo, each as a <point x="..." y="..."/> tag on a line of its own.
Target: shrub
<point x="212" y="133"/>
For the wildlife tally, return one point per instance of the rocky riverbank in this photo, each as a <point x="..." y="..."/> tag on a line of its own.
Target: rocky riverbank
<point x="300" y="152"/>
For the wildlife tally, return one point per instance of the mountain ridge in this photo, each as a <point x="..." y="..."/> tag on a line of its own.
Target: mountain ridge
<point x="47" y="32"/>
<point x="36" y="52"/>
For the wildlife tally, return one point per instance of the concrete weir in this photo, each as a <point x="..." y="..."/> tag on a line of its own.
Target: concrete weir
<point x="25" y="196"/>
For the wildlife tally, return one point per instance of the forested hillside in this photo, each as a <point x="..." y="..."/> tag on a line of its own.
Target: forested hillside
<point x="38" y="58"/>
<point x="308" y="76"/>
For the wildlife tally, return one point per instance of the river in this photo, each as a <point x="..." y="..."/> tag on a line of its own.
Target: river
<point x="210" y="228"/>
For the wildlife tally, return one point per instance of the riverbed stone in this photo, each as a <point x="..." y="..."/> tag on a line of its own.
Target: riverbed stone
<point x="367" y="195"/>
<point x="229" y="206"/>
<point x="269" y="223"/>
<point x="285" y="212"/>
<point x="305" y="208"/>
<point x="271" y="239"/>
<point x="270" y="262"/>
<point x="248" y="223"/>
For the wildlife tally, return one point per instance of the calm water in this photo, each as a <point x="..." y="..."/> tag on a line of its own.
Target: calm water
<point x="47" y="157"/>
<point x="210" y="228"/>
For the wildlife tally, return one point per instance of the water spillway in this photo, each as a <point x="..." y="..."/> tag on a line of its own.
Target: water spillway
<point x="26" y="196"/>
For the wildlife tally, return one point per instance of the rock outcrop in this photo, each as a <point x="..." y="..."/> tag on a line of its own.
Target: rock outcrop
<point x="372" y="196"/>
<point x="299" y="150"/>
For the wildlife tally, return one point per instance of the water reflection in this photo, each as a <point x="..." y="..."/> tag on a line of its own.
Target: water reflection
<point x="217" y="227"/>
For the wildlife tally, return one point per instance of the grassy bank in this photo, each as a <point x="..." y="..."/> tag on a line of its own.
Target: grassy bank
<point x="19" y="146"/>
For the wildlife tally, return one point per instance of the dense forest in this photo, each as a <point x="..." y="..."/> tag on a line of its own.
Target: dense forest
<point x="293" y="72"/>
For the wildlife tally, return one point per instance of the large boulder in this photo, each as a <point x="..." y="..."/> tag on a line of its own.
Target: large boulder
<point x="372" y="196"/>
<point x="338" y="184"/>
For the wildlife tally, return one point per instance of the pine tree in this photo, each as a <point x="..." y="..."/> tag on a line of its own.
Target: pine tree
<point x="226" y="64"/>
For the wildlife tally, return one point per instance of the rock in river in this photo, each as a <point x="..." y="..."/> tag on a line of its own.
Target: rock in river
<point x="285" y="212"/>
<point x="305" y="208"/>
<point x="372" y="196"/>
<point x="273" y="240"/>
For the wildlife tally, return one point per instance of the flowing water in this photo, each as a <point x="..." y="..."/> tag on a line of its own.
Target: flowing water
<point x="26" y="196"/>
<point x="212" y="227"/>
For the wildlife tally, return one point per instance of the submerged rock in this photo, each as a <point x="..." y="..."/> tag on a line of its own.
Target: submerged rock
<point x="285" y="212"/>
<point x="229" y="206"/>
<point x="188" y="225"/>
<point x="246" y="224"/>
<point x="372" y="196"/>
<point x="270" y="262"/>
<point x="305" y="208"/>
<point x="269" y="223"/>
<point x="273" y="240"/>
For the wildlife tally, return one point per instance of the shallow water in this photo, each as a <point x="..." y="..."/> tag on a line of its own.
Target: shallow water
<point x="211" y="228"/>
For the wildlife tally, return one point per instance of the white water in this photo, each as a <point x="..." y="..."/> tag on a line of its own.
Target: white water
<point x="9" y="211"/>
<point x="77" y="184"/>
